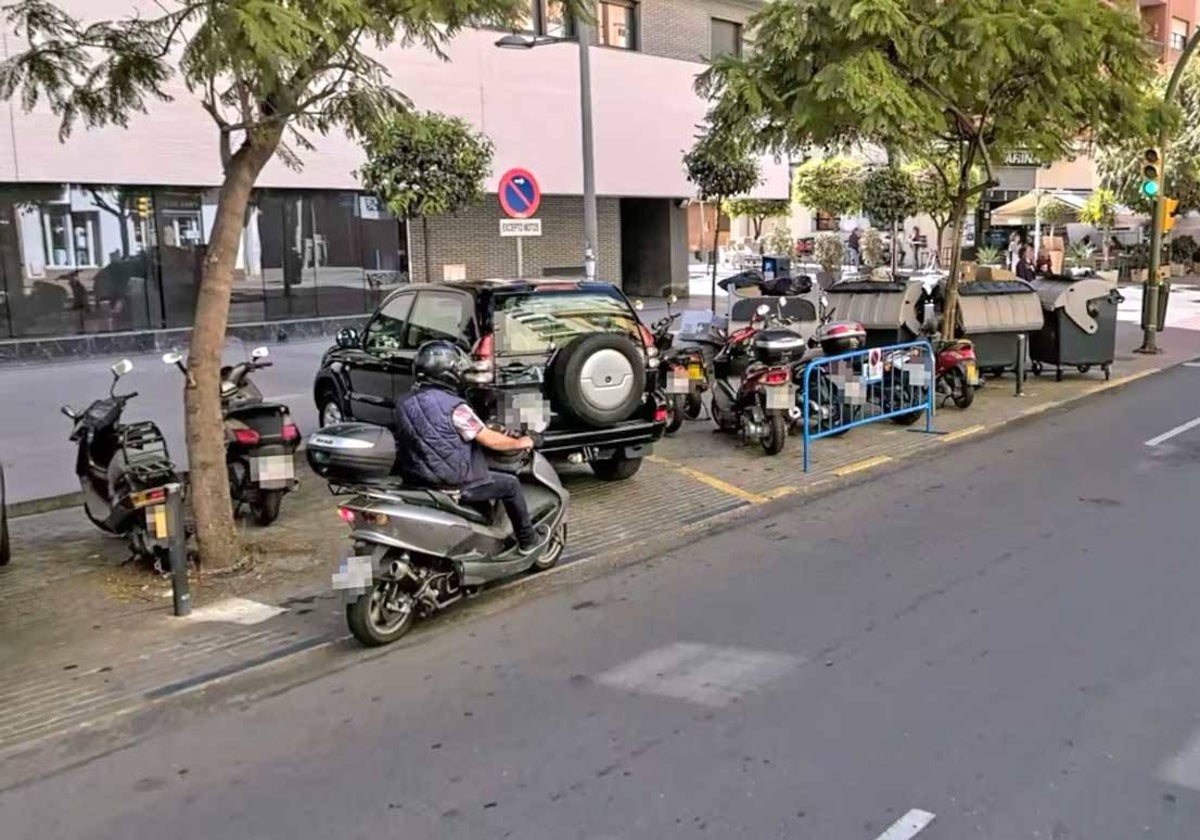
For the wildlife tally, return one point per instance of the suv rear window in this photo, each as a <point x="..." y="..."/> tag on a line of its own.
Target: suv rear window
<point x="536" y="322"/>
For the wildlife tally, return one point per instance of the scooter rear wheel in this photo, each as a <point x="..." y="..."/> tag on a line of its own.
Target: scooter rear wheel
<point x="372" y="623"/>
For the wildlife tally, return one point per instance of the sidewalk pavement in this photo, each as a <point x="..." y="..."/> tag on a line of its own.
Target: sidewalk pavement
<point x="87" y="639"/>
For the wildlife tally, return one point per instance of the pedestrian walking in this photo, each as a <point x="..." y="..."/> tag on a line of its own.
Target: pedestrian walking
<point x="1023" y="269"/>
<point x="915" y="242"/>
<point x="854" y="249"/>
<point x="1014" y="250"/>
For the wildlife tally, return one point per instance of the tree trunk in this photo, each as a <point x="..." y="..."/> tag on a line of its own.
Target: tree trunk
<point x="211" y="505"/>
<point x="716" y="241"/>
<point x="950" y="303"/>
<point x="941" y="235"/>
<point x="758" y="223"/>
<point x="425" y="246"/>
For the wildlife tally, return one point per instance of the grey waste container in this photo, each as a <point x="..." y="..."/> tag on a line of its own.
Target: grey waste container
<point x="889" y="310"/>
<point x="993" y="314"/>
<point x="1080" y="327"/>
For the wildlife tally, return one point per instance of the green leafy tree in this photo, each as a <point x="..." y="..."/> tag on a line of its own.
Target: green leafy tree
<point x="1100" y="211"/>
<point x="889" y="197"/>
<point x="757" y="210"/>
<point x="720" y="167"/>
<point x="779" y="241"/>
<point x="981" y="78"/>
<point x="270" y="74"/>
<point x="1119" y="160"/>
<point x="936" y="180"/>
<point x="426" y="164"/>
<point x="830" y="185"/>
<point x="1056" y="213"/>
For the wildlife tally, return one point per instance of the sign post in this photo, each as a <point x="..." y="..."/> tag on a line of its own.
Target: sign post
<point x="520" y="196"/>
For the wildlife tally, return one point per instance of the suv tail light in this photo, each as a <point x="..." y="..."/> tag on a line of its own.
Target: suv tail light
<point x="649" y="345"/>
<point x="483" y="361"/>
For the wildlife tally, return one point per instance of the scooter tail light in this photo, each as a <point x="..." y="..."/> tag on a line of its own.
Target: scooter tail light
<point x="777" y="376"/>
<point x="145" y="498"/>
<point x="346" y="515"/>
<point x="660" y="414"/>
<point x="290" y="432"/>
<point x="246" y="437"/>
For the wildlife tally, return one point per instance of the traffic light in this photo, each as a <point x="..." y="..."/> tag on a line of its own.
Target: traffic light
<point x="143" y="206"/>
<point x="1151" y="173"/>
<point x="1166" y="221"/>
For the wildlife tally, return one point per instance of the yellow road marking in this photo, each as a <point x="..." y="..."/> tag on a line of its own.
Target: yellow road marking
<point x="712" y="481"/>
<point x="962" y="433"/>
<point x="780" y="492"/>
<point x="859" y="466"/>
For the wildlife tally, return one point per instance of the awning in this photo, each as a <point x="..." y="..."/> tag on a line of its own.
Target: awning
<point x="1023" y="210"/>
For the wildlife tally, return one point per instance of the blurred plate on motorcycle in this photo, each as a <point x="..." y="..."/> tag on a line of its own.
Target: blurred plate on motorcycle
<point x="354" y="572"/>
<point x="272" y="470"/>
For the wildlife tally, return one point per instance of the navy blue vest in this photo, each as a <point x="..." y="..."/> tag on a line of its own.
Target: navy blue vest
<point x="431" y="451"/>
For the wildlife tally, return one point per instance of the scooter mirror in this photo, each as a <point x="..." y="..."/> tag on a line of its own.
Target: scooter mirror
<point x="638" y="305"/>
<point x="672" y="299"/>
<point x="70" y="412"/>
<point x="122" y="367"/>
<point x="259" y="353"/>
<point x="172" y="358"/>
<point x="763" y="310"/>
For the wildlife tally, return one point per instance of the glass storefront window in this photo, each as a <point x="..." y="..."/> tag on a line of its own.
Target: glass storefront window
<point x="92" y="259"/>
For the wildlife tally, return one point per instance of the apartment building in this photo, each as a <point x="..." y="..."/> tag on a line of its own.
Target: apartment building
<point x="104" y="234"/>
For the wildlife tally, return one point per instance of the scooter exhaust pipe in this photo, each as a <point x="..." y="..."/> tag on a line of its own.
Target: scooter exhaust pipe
<point x="794" y="413"/>
<point x="399" y="569"/>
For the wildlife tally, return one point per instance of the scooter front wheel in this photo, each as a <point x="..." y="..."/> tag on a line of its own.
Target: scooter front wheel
<point x="554" y="549"/>
<point x="381" y="616"/>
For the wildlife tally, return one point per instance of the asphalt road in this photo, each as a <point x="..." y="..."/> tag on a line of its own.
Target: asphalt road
<point x="1004" y="639"/>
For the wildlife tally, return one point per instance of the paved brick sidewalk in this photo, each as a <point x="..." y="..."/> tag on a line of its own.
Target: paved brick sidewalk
<point x="85" y="637"/>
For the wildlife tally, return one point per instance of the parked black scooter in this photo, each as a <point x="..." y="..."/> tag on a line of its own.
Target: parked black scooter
<point x="125" y="473"/>
<point x="260" y="439"/>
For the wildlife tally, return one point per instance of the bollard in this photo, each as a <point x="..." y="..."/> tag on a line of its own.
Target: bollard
<point x="1022" y="340"/>
<point x="178" y="552"/>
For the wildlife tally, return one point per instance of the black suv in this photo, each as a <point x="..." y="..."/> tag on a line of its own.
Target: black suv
<point x="567" y="358"/>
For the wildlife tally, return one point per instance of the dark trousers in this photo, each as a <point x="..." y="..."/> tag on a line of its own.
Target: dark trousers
<point x="506" y="489"/>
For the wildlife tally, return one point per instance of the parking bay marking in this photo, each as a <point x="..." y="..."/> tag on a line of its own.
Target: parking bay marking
<point x="962" y="433"/>
<point x="908" y="826"/>
<point x="859" y="466"/>
<point x="1178" y="430"/>
<point x="712" y="481"/>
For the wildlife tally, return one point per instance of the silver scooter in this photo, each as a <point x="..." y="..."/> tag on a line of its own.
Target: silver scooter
<point x="418" y="550"/>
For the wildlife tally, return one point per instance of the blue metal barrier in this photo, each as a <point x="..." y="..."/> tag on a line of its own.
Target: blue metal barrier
<point x="852" y="389"/>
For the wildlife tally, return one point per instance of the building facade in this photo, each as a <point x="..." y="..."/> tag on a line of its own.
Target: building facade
<point x="105" y="232"/>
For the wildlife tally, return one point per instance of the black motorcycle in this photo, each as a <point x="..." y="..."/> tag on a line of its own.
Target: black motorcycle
<point x="682" y="372"/>
<point x="260" y="439"/>
<point x="125" y="473"/>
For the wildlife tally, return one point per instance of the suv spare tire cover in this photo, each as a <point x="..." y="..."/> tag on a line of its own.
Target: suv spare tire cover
<point x="598" y="379"/>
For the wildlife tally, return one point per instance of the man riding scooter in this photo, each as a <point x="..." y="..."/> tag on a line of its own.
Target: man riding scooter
<point x="440" y="440"/>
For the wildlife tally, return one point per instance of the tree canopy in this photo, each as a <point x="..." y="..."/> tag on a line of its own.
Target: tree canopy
<point x="424" y="164"/>
<point x="758" y="210"/>
<point x="831" y="185"/>
<point x="889" y="195"/>
<point x="983" y="77"/>
<point x="720" y="167"/>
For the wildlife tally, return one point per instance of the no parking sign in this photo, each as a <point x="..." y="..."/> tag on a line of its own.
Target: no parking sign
<point x="519" y="194"/>
<point x="874" y="371"/>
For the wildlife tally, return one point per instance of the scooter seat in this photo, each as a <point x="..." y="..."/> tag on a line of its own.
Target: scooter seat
<point x="441" y="501"/>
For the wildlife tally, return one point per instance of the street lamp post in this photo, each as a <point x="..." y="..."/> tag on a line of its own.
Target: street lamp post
<point x="583" y="36"/>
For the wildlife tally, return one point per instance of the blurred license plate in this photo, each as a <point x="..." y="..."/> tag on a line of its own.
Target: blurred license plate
<point x="354" y="573"/>
<point x="695" y="371"/>
<point x="677" y="382"/>
<point x="972" y="374"/>
<point x="779" y="397"/>
<point x="272" y="470"/>
<point x="157" y="522"/>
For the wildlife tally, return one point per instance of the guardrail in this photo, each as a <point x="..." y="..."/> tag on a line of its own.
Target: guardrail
<point x="865" y="386"/>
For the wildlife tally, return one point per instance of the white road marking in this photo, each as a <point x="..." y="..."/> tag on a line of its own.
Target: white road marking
<point x="1191" y="364"/>
<point x="908" y="826"/>
<point x="1178" y="430"/>
<point x="704" y="674"/>
<point x="236" y="611"/>
<point x="1183" y="768"/>
<point x="284" y="397"/>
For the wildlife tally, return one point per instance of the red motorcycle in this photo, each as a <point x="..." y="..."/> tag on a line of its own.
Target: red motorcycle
<point x="752" y="391"/>
<point x="957" y="371"/>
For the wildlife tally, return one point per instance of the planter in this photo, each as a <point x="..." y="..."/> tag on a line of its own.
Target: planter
<point x="1109" y="276"/>
<point x="1176" y="270"/>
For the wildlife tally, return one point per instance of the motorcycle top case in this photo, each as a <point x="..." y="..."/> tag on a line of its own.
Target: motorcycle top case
<point x="778" y="346"/>
<point x="351" y="452"/>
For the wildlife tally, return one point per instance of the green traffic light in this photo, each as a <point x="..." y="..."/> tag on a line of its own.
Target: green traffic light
<point x="1150" y="188"/>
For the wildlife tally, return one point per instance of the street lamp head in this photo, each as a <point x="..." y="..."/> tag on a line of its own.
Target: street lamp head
<point x="517" y="41"/>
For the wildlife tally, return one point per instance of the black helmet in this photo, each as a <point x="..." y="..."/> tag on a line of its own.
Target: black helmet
<point x="441" y="363"/>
